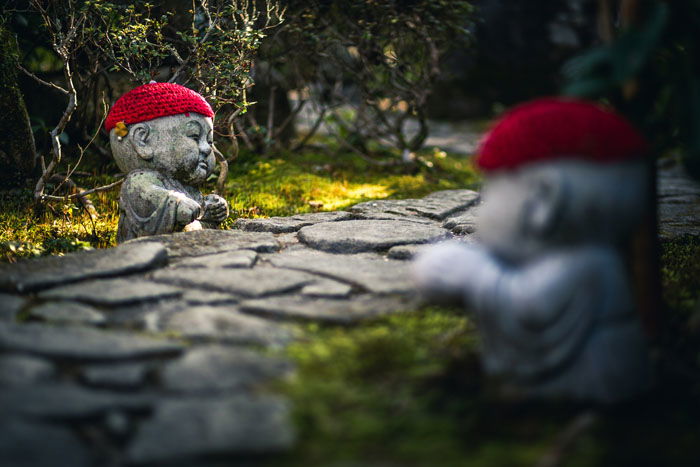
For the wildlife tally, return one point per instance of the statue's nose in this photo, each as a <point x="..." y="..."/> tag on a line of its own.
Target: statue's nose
<point x="205" y="149"/>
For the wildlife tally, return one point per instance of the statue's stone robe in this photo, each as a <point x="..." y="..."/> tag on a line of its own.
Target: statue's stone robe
<point x="148" y="204"/>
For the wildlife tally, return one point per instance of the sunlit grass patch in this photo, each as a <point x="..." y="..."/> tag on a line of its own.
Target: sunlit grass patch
<point x="63" y="227"/>
<point x="292" y="183"/>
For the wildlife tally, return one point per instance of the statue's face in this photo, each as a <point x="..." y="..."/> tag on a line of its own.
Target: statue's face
<point x="504" y="218"/>
<point x="559" y="204"/>
<point x="181" y="146"/>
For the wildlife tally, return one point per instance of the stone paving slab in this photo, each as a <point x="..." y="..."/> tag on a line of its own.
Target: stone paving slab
<point x="81" y="343"/>
<point x="20" y="439"/>
<point x="208" y="242"/>
<point x="206" y="297"/>
<point x="188" y="428"/>
<point x="227" y="259"/>
<point x="326" y="288"/>
<point x="215" y="368"/>
<point x="20" y="370"/>
<point x="290" y="224"/>
<point x="368" y="271"/>
<point x="435" y="206"/>
<point x="41" y="273"/>
<point x="404" y="252"/>
<point x="121" y="376"/>
<point x="65" y="401"/>
<point x="368" y="235"/>
<point x="225" y="324"/>
<point x="462" y="223"/>
<point x="10" y="305"/>
<point x="112" y="292"/>
<point x="68" y="312"/>
<point x="327" y="310"/>
<point x="243" y="282"/>
<point x="678" y="203"/>
<point x="144" y="316"/>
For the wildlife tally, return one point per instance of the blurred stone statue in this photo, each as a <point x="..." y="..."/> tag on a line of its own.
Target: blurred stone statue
<point x="547" y="284"/>
<point x="161" y="136"/>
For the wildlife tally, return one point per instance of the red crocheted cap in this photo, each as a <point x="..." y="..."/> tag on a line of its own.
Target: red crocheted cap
<point x="155" y="100"/>
<point x="553" y="128"/>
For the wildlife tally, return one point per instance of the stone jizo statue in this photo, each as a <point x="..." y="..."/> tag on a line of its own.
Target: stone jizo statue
<point x="161" y="136"/>
<point x="547" y="283"/>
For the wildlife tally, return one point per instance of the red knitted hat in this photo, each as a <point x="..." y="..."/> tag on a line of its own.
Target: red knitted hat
<point x="552" y="128"/>
<point x="155" y="100"/>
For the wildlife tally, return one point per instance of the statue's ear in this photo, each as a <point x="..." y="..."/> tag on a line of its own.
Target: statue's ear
<point x="545" y="205"/>
<point x="141" y="139"/>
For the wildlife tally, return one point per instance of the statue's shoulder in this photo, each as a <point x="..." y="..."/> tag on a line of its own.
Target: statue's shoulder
<point x="581" y="258"/>
<point x="145" y="176"/>
<point x="143" y="181"/>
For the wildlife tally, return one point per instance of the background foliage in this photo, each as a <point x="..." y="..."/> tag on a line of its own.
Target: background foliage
<point x="651" y="73"/>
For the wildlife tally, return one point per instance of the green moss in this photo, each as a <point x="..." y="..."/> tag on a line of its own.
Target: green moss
<point x="404" y="390"/>
<point x="64" y="227"/>
<point x="292" y="183"/>
<point x="680" y="263"/>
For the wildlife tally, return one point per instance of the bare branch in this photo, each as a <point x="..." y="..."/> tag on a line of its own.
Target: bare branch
<point x="41" y="81"/>
<point x="270" y="115"/>
<point x="244" y="135"/>
<point x="312" y="131"/>
<point x="92" y="140"/>
<point x="290" y="118"/>
<point x="62" y="51"/>
<point x="98" y="189"/>
<point x="223" y="173"/>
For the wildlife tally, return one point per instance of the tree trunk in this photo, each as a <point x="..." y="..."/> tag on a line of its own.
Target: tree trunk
<point x="17" y="150"/>
<point x="645" y="253"/>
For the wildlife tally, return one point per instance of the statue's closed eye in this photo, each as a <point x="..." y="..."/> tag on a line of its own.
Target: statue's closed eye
<point x="194" y="130"/>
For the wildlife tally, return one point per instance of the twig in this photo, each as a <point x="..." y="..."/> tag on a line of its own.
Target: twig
<point x="290" y="118"/>
<point x="92" y="140"/>
<point x="58" y="129"/>
<point x="76" y="192"/>
<point x="41" y="81"/>
<point x="270" y="116"/>
<point x="244" y="135"/>
<point x="63" y="46"/>
<point x="85" y="193"/>
<point x="364" y="156"/>
<point x="312" y="132"/>
<point x="211" y="25"/>
<point x="223" y="173"/>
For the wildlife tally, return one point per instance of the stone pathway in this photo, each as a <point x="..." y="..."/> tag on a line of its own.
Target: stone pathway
<point x="156" y="352"/>
<point x="679" y="203"/>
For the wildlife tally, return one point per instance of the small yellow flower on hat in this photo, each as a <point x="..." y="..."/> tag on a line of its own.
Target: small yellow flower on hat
<point x="121" y="130"/>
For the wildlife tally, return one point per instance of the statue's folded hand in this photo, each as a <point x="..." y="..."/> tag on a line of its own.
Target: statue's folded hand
<point x="444" y="271"/>
<point x="215" y="209"/>
<point x="188" y="210"/>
